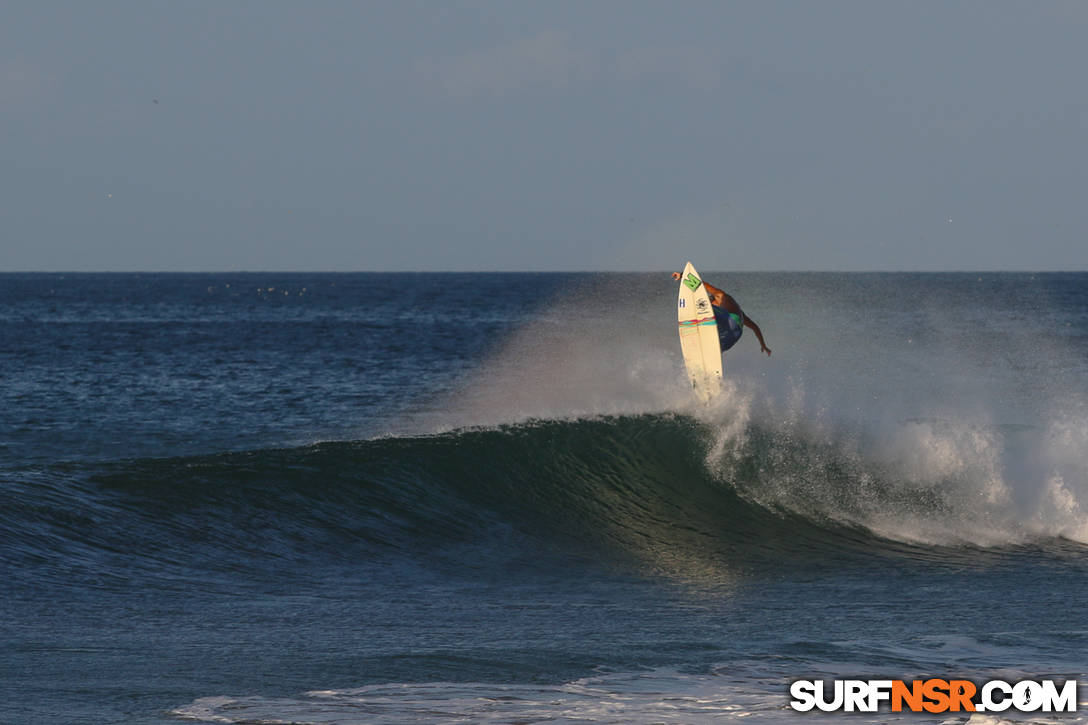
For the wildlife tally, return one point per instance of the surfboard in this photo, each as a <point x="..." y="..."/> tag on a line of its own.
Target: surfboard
<point x="699" y="335"/>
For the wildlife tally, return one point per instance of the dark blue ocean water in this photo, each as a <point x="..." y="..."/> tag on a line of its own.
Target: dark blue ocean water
<point x="435" y="498"/>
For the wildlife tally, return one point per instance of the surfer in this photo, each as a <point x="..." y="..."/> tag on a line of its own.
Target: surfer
<point x="730" y="318"/>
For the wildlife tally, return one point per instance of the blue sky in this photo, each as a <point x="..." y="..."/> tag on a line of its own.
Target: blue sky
<point x="603" y="135"/>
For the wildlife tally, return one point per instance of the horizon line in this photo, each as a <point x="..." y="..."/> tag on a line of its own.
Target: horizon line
<point x="543" y="271"/>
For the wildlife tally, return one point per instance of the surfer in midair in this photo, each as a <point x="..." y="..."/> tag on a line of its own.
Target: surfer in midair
<point x="730" y="318"/>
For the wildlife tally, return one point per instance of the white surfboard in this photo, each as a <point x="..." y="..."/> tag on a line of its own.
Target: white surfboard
<point x="699" y="335"/>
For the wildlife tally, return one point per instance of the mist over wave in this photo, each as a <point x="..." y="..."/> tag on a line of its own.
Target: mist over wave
<point x="870" y="413"/>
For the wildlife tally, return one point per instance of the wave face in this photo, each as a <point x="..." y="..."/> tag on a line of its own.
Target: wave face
<point x="624" y="488"/>
<point x="664" y="494"/>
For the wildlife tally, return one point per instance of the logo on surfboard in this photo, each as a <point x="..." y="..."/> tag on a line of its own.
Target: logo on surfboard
<point x="692" y="282"/>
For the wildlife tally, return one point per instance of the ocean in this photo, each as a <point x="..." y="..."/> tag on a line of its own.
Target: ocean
<point x="447" y="498"/>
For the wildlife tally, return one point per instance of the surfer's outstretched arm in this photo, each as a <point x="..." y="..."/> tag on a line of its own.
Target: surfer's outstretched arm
<point x="749" y="322"/>
<point x="710" y="289"/>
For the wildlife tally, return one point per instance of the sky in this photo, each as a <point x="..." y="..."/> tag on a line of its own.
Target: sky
<point x="583" y="135"/>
